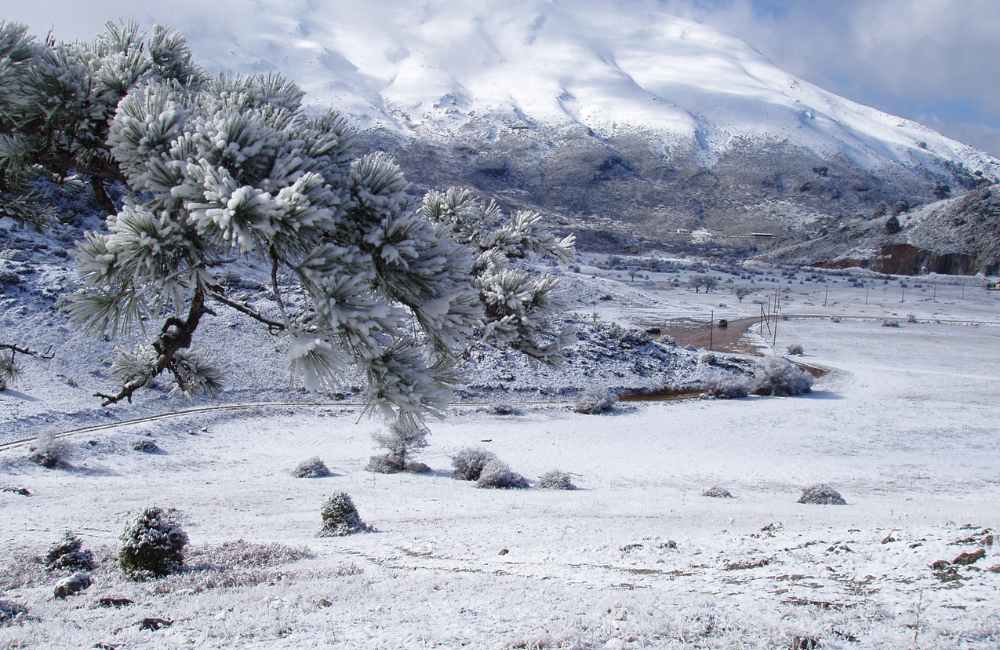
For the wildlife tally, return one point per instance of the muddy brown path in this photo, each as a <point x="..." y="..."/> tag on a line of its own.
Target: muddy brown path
<point x="720" y="339"/>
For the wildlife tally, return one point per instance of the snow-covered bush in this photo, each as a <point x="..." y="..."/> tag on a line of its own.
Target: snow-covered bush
<point x="311" y="468"/>
<point x="556" y="480"/>
<point x="596" y="402"/>
<point x="725" y="385"/>
<point x="496" y="474"/>
<point x="152" y="545"/>
<point x="777" y="376"/>
<point x="68" y="553"/>
<point x="223" y="170"/>
<point x="717" y="492"/>
<point x="911" y="318"/>
<point x="796" y="349"/>
<point x="890" y="323"/>
<point x="469" y="463"/>
<point x="340" y="517"/>
<point x="48" y="451"/>
<point x="822" y="494"/>
<point x="401" y="442"/>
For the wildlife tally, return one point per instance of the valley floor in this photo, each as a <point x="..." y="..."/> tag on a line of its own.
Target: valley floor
<point x="904" y="427"/>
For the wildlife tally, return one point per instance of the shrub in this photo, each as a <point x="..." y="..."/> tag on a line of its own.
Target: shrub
<point x="152" y="545"/>
<point x="497" y="475"/>
<point x="68" y="553"/>
<point x="822" y="494"/>
<point x="384" y="464"/>
<point x="796" y="349"/>
<point x="311" y="468"/>
<point x="505" y="409"/>
<point x="11" y="612"/>
<point x="403" y="440"/>
<point x="911" y="318"/>
<point x="724" y="385"/>
<point x="48" y="451"/>
<point x="717" y="492"/>
<point x="890" y="323"/>
<point x="596" y="403"/>
<point x="555" y="480"/>
<point x="469" y="463"/>
<point x="777" y="376"/>
<point x="340" y="517"/>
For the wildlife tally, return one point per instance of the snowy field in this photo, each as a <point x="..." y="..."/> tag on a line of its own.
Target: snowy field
<point x="904" y="427"/>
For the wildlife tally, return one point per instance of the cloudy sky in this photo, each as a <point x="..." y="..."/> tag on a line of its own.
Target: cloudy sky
<point x="933" y="61"/>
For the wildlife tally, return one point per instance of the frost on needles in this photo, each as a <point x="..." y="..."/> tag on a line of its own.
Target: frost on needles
<point x="219" y="170"/>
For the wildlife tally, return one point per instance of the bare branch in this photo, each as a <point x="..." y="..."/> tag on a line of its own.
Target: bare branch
<point x="274" y="284"/>
<point x="273" y="327"/>
<point x="176" y="334"/>
<point x="48" y="354"/>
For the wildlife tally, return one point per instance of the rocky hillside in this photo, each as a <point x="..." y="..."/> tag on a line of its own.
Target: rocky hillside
<point x="958" y="235"/>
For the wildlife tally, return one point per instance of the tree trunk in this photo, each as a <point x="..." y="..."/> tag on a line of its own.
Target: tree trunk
<point x="101" y="196"/>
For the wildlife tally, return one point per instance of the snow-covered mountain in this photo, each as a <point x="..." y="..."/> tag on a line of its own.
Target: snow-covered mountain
<point x="408" y="65"/>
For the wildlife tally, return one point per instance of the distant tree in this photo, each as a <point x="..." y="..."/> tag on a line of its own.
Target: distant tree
<point x="742" y="292"/>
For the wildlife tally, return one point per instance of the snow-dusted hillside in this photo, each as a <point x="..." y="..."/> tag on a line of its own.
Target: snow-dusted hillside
<point x="418" y="67"/>
<point x="628" y="120"/>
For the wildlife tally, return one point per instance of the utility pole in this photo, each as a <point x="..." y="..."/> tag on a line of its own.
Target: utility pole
<point x="711" y="329"/>
<point x="902" y="293"/>
<point x="868" y="290"/>
<point x="826" y="298"/>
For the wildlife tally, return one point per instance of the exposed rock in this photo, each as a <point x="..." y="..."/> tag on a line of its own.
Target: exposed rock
<point x="24" y="492"/>
<point x="740" y="565"/>
<point x="970" y="557"/>
<point x="114" y="601"/>
<point x="146" y="446"/>
<point x="72" y="585"/>
<point x="154" y="623"/>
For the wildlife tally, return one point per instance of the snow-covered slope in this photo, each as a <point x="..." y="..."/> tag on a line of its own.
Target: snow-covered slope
<point x="421" y="67"/>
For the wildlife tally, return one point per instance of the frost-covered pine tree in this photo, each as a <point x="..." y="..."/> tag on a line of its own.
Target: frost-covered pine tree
<point x="58" y="99"/>
<point x="220" y="169"/>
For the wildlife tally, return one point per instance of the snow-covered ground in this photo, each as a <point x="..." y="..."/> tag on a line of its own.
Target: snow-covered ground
<point x="904" y="427"/>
